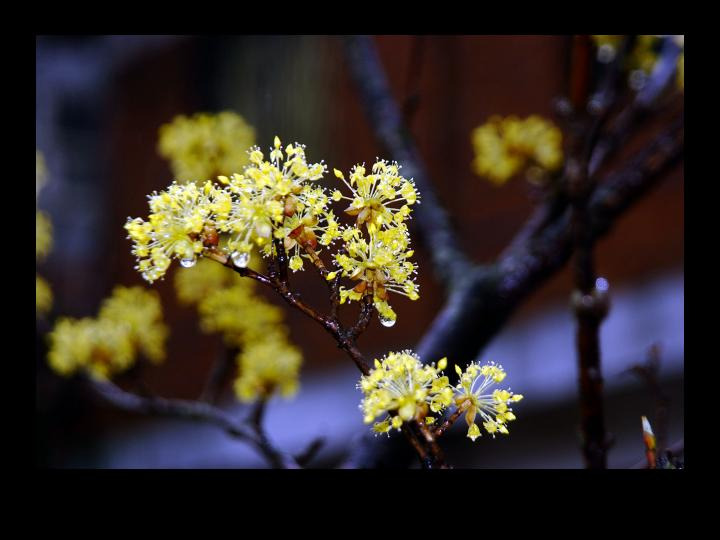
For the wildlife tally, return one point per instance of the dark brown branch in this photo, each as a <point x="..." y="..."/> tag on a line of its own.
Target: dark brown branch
<point x="440" y="430"/>
<point x="344" y="339"/>
<point x="432" y="222"/>
<point x="280" y="260"/>
<point x="366" y="312"/>
<point x="189" y="410"/>
<point x="590" y="308"/>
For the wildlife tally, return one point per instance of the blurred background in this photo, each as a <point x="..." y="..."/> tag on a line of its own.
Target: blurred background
<point x="100" y="101"/>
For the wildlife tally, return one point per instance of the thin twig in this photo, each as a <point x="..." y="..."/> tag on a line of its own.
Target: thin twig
<point x="440" y="430"/>
<point x="366" y="312"/>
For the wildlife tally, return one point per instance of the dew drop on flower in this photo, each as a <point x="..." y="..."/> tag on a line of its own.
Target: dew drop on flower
<point x="386" y="322"/>
<point x="188" y="263"/>
<point x="240" y="259"/>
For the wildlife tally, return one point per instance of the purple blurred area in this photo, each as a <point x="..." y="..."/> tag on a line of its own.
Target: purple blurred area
<point x="100" y="101"/>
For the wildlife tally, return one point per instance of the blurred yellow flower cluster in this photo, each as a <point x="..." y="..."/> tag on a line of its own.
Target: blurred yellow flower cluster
<point x="266" y="367"/>
<point x="401" y="388"/>
<point x="205" y="146"/>
<point x="504" y="147"/>
<point x="229" y="305"/>
<point x="472" y="395"/>
<point x="129" y="324"/>
<point x="43" y="240"/>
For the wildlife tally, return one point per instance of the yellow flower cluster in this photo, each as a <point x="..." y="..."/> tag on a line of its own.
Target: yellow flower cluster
<point x="40" y="173"/>
<point x="472" y="394"/>
<point x="43" y="240"/>
<point x="129" y="324"/>
<point x="43" y="295"/>
<point x="273" y="198"/>
<point x="266" y="367"/>
<point x="43" y="235"/>
<point x="228" y="304"/>
<point x="140" y="312"/>
<point x="504" y="147"/>
<point x="380" y="264"/>
<point x="376" y="249"/>
<point x="401" y="388"/>
<point x="180" y="226"/>
<point x="374" y="195"/>
<point x="278" y="198"/>
<point x="205" y="146"/>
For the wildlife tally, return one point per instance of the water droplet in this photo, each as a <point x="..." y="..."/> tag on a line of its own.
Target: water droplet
<point x="240" y="259"/>
<point x="188" y="263"/>
<point x="386" y="322"/>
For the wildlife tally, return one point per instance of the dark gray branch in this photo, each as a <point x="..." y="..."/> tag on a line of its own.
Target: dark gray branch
<point x="385" y="116"/>
<point x="189" y="410"/>
<point x="481" y="305"/>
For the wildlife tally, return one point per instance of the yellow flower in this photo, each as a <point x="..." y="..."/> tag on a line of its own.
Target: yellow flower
<point x="101" y="347"/>
<point x="43" y="296"/>
<point x="267" y="367"/>
<point x="381" y="265"/>
<point x="180" y="225"/>
<point x="43" y="241"/>
<point x="278" y="199"/>
<point x="380" y="199"/>
<point x="402" y="388"/>
<point x="140" y="311"/>
<point x="205" y="146"/>
<point x="129" y="324"/>
<point x="43" y="235"/>
<point x="471" y="395"/>
<point x="504" y="147"/>
<point x="239" y="315"/>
